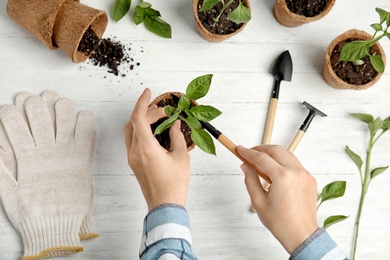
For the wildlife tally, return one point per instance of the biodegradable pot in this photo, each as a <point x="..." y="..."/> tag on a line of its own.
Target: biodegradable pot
<point x="206" y="34"/>
<point x="290" y="19"/>
<point x="328" y="73"/>
<point x="169" y="96"/>
<point x="58" y="23"/>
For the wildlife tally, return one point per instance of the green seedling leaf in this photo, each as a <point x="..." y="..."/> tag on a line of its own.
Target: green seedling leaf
<point x="205" y="113"/>
<point x="166" y="124"/>
<point x="184" y="103"/>
<point x="121" y="7"/>
<point x="199" y="87"/>
<point x="356" y="158"/>
<point x="377" y="63"/>
<point x="193" y="123"/>
<point x="375" y="125"/>
<point x="387" y="35"/>
<point x="152" y="12"/>
<point x="144" y="5"/>
<point x="333" y="190"/>
<point x="240" y="15"/>
<point x="384" y="16"/>
<point x="158" y="26"/>
<point x="386" y="124"/>
<point x="169" y="110"/>
<point x="333" y="220"/>
<point x="139" y="15"/>
<point x="378" y="171"/>
<point x="355" y="50"/>
<point x="208" y="4"/>
<point x="364" y="117"/>
<point x="376" y="26"/>
<point x="203" y="140"/>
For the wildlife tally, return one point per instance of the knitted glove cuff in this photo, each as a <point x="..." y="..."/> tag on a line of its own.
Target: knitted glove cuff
<point x="49" y="236"/>
<point x="87" y="231"/>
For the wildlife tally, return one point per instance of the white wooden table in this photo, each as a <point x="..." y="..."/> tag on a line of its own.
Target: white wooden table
<point x="221" y="224"/>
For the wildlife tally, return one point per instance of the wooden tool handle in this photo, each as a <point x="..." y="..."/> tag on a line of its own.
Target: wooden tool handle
<point x="269" y="125"/>
<point x="296" y="141"/>
<point x="233" y="148"/>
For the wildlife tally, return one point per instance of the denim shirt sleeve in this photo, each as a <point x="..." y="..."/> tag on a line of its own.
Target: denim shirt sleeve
<point x="166" y="234"/>
<point x="319" y="246"/>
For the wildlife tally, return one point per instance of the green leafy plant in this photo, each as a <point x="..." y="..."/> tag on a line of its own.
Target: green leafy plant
<point x="240" y="15"/>
<point x="193" y="115"/>
<point x="377" y="127"/>
<point x="332" y="190"/>
<point x="356" y="50"/>
<point x="143" y="13"/>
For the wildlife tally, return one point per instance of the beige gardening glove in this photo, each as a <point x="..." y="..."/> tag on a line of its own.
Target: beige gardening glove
<point x="87" y="231"/>
<point x="52" y="191"/>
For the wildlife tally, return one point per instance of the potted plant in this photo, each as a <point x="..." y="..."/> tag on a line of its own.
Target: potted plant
<point x="293" y="13"/>
<point x="218" y="20"/>
<point x="180" y="106"/>
<point x="355" y="59"/>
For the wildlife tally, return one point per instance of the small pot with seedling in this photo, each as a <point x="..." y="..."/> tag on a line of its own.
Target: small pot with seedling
<point x="218" y="20"/>
<point x="293" y="13"/>
<point x="355" y="59"/>
<point x="180" y="106"/>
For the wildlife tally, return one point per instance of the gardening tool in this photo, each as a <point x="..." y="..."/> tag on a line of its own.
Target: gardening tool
<point x="305" y="125"/>
<point x="231" y="147"/>
<point x="282" y="70"/>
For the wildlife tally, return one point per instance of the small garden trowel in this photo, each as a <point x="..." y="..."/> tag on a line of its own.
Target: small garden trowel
<point x="282" y="70"/>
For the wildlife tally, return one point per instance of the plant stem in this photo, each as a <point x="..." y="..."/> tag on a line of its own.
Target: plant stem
<point x="365" y="184"/>
<point x="222" y="10"/>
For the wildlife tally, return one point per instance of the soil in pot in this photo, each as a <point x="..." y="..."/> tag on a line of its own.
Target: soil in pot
<point x="348" y="71"/>
<point x="307" y="8"/>
<point x="224" y="25"/>
<point x="164" y="138"/>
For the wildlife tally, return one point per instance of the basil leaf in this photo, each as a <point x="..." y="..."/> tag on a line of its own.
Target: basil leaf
<point x="169" y="110"/>
<point x="354" y="50"/>
<point x="205" y="113"/>
<point x="199" y="87"/>
<point x="376" y="26"/>
<point x="364" y="117"/>
<point x="139" y="15"/>
<point x="158" y="26"/>
<point x="377" y="63"/>
<point x="333" y="220"/>
<point x="166" y="124"/>
<point x="383" y="15"/>
<point x="208" y="4"/>
<point x="378" y="171"/>
<point x="203" y="140"/>
<point x="121" y="7"/>
<point x="356" y="158"/>
<point x="386" y="125"/>
<point x="333" y="190"/>
<point x="184" y="103"/>
<point x="152" y="13"/>
<point x="240" y="15"/>
<point x="193" y="123"/>
<point x="375" y="125"/>
<point x="144" y="5"/>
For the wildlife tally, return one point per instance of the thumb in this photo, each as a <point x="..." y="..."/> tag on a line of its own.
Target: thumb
<point x="178" y="142"/>
<point x="254" y="188"/>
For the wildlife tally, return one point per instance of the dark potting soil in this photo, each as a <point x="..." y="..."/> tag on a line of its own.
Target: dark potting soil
<point x="105" y="52"/>
<point x="308" y="8"/>
<point x="224" y="25"/>
<point x="164" y="138"/>
<point x="349" y="72"/>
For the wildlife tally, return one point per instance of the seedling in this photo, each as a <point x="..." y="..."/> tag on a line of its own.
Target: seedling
<point x="193" y="115"/>
<point x="356" y="50"/>
<point x="377" y="127"/>
<point x="143" y="13"/>
<point x="241" y="14"/>
<point x="332" y="190"/>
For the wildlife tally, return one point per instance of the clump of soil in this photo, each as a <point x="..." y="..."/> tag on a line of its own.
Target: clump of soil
<point x="224" y="25"/>
<point x="348" y="71"/>
<point x="307" y="8"/>
<point x="105" y="52"/>
<point x="164" y="138"/>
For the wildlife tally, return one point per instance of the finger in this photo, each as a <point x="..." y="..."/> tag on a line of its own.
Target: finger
<point x="261" y="160"/>
<point x="85" y="132"/>
<point x="66" y="116"/>
<point x="278" y="153"/>
<point x="51" y="97"/>
<point x="20" y="101"/>
<point x="155" y="114"/>
<point x="178" y="143"/>
<point x="254" y="188"/>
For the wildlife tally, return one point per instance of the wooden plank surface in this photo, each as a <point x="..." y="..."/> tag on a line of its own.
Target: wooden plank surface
<point x="222" y="227"/>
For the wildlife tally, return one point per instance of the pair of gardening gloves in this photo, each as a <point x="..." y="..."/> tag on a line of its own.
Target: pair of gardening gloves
<point x="46" y="150"/>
